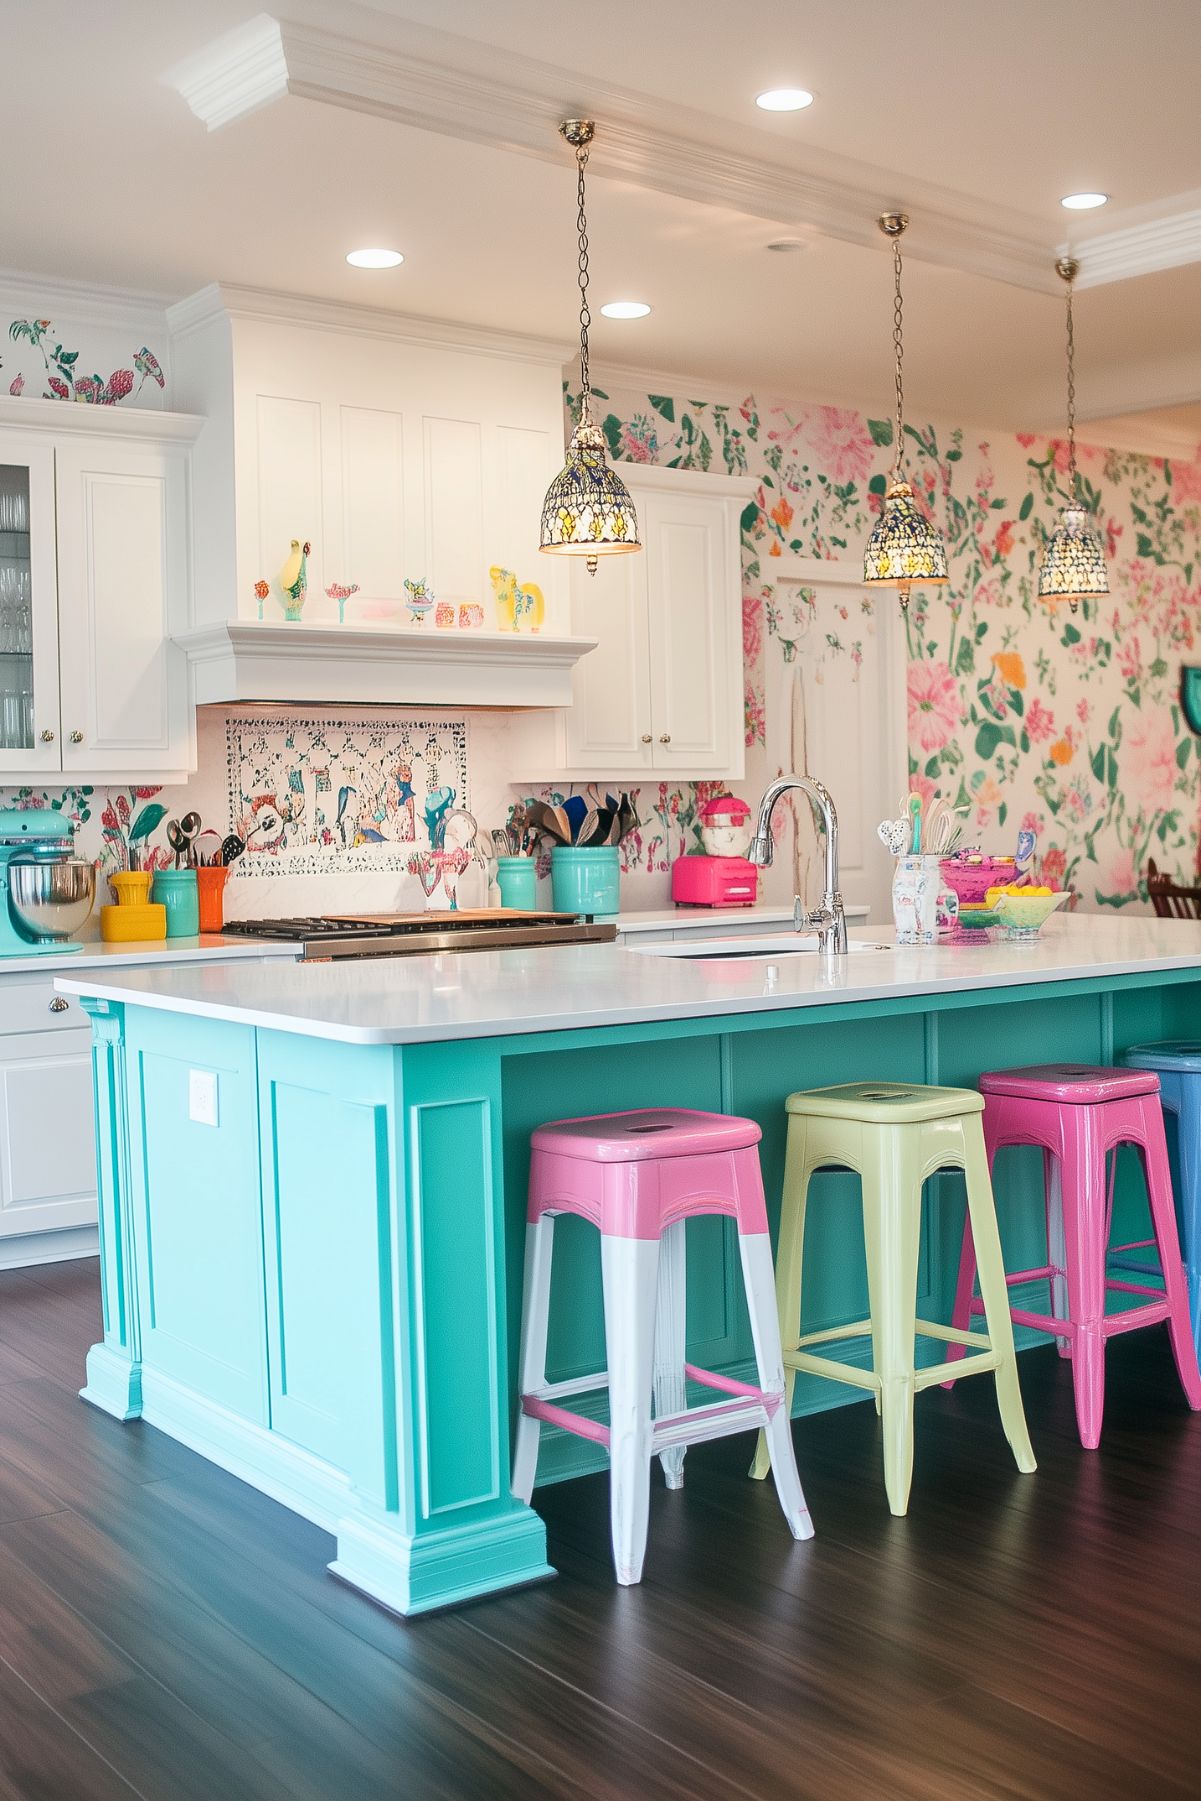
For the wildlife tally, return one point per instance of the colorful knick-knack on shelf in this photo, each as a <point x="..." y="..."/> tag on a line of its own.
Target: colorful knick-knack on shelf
<point x="471" y="616"/>
<point x="518" y="605"/>
<point x="341" y="592"/>
<point x="445" y="615"/>
<point x="294" y="578"/>
<point x="421" y="599"/>
<point x="261" y="591"/>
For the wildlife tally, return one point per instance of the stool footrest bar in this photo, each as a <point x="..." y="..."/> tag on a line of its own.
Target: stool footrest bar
<point x="551" y="1415"/>
<point x="697" y="1425"/>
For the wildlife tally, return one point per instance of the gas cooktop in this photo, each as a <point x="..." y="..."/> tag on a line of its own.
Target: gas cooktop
<point x="329" y="935"/>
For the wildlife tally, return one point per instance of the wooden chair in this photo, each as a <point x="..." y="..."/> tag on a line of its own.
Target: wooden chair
<point x="1171" y="899"/>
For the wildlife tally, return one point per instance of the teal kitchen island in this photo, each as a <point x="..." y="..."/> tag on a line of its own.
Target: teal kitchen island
<point x="312" y="1185"/>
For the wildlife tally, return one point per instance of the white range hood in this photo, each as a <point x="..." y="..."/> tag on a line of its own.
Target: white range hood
<point x="264" y="660"/>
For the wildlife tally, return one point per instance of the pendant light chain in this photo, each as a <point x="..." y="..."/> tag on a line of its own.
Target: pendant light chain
<point x="898" y="345"/>
<point x="1073" y="473"/>
<point x="581" y="157"/>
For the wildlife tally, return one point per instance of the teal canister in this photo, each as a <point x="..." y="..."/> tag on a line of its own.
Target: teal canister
<point x="176" y="889"/>
<point x="516" y="877"/>
<point x="586" y="879"/>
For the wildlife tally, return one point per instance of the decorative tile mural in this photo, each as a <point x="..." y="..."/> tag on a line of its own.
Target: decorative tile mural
<point x="1069" y="725"/>
<point x="310" y="793"/>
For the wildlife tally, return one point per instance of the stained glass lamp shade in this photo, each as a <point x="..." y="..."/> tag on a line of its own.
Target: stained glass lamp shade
<point x="588" y="510"/>
<point x="1073" y="565"/>
<point x="904" y="547"/>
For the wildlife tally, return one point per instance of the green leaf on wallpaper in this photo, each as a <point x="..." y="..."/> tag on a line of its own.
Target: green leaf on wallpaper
<point x="1071" y="634"/>
<point x="877" y="484"/>
<point x="1114" y="728"/>
<point x="613" y="434"/>
<point x="990" y="736"/>
<point x="664" y="405"/>
<point x="1105" y="767"/>
<point x="954" y="456"/>
<point x="146" y="821"/>
<point x="1182" y="752"/>
<point x="932" y="769"/>
<point x="965" y="661"/>
<point x="1027" y="507"/>
<point x="1024" y="742"/>
<point x="1145" y="546"/>
<point x="1000" y="505"/>
<point x="881" y="430"/>
<point x="750" y="516"/>
<point x="704" y="452"/>
<point x="981" y="631"/>
<point x="1002" y="812"/>
<point x="597" y="393"/>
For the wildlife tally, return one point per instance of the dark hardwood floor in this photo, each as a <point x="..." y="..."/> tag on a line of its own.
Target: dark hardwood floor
<point x="169" y="1633"/>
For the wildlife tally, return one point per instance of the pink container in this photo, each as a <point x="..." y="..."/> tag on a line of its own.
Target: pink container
<point x="971" y="880"/>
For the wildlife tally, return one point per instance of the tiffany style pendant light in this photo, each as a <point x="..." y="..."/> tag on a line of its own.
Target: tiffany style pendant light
<point x="904" y="547"/>
<point x="1073" y="565"/>
<point x="587" y="511"/>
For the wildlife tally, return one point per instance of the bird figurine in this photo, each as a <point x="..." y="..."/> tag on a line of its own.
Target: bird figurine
<point x="293" y="578"/>
<point x="341" y="592"/>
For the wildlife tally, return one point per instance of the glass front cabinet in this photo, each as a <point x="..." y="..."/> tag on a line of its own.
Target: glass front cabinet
<point x="94" y="582"/>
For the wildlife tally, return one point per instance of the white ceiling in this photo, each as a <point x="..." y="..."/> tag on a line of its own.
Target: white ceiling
<point x="111" y="179"/>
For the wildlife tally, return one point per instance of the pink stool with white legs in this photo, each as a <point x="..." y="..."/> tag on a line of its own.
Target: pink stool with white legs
<point x="1078" y="1114"/>
<point x="638" y="1177"/>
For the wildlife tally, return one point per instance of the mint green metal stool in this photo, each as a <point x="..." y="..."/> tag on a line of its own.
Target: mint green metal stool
<point x="895" y="1135"/>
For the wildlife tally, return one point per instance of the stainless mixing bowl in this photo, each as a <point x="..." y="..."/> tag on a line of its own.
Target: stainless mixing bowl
<point x="49" y="901"/>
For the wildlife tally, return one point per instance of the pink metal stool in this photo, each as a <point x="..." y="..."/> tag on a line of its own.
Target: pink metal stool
<point x="1077" y="1114"/>
<point x="639" y="1177"/>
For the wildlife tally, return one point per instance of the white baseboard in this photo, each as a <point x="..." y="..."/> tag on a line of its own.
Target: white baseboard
<point x="25" y="1249"/>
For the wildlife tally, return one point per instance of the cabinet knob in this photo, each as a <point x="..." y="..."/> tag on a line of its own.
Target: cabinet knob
<point x="59" y="1005"/>
<point x="47" y="736"/>
<point x="665" y="737"/>
<point x="77" y="737"/>
<point x="646" y="737"/>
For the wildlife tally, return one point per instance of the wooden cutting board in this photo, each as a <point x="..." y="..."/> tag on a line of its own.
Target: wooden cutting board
<point x="465" y="915"/>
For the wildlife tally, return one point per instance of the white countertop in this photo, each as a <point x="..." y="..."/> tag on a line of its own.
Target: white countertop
<point x="210" y="947"/>
<point x="485" y="994"/>
<point x="714" y="919"/>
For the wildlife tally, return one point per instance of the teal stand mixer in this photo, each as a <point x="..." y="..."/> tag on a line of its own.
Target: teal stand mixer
<point x="47" y="890"/>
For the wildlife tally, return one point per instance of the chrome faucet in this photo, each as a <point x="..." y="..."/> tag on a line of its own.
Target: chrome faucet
<point x="828" y="920"/>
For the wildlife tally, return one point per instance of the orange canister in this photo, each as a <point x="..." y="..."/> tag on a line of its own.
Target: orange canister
<point x="210" y="888"/>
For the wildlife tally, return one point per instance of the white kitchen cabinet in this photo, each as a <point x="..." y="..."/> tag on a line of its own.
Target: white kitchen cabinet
<point x="662" y="691"/>
<point x="91" y="682"/>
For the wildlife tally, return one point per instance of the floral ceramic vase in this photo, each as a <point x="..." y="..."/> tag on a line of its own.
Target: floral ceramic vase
<point x="341" y="593"/>
<point x="445" y="615"/>
<point x="922" y="904"/>
<point x="471" y="616"/>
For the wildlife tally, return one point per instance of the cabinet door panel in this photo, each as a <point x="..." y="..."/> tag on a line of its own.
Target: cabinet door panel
<point x="454" y="509"/>
<point x="28" y="608"/>
<point x="123" y="532"/>
<point x="689" y="604"/>
<point x="47" y="1145"/>
<point x="610" y="715"/>
<point x="290" y="491"/>
<point x="373" y="502"/>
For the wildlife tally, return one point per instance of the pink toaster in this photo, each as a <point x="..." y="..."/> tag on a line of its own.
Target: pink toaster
<point x="714" y="882"/>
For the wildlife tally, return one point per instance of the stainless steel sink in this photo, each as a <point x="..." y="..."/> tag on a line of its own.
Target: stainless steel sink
<point x="744" y="950"/>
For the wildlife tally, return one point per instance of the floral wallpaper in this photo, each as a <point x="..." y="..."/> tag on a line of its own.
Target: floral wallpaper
<point x="1068" y="724"/>
<point x="57" y="374"/>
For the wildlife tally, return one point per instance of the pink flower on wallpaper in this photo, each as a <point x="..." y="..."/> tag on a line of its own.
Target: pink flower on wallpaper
<point x="841" y="442"/>
<point x="1032" y="822"/>
<point x="752" y="628"/>
<point x="1040" y="722"/>
<point x="1186" y="481"/>
<point x="1053" y="865"/>
<point x="17" y="385"/>
<point x="1149" y="767"/>
<point x="1113" y="532"/>
<point x="934" y="706"/>
<point x="921" y="784"/>
<point x="1060" y="454"/>
<point x="755" y="718"/>
<point x="1123" y="877"/>
<point x="1025" y="439"/>
<point x="988" y="798"/>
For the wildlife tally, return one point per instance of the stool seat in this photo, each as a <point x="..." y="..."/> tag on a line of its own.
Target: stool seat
<point x="649" y="1133"/>
<point x="1173" y="1053"/>
<point x="884" y="1103"/>
<point x="1074" y="1084"/>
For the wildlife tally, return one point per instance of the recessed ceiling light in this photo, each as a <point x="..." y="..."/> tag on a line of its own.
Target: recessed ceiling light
<point x="626" y="309"/>
<point x="784" y="100"/>
<point x="374" y="259"/>
<point x="1083" y="203"/>
<point x="784" y="245"/>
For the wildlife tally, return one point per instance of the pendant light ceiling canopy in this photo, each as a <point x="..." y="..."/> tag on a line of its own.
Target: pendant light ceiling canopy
<point x="587" y="511"/>
<point x="1073" y="565"/>
<point x="904" y="547"/>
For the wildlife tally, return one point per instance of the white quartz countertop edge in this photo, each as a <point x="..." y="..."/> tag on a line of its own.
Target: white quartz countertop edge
<point x="713" y="919"/>
<point x="210" y="947"/>
<point x="484" y="994"/>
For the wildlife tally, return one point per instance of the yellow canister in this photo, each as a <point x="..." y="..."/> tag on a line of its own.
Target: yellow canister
<point x="131" y="923"/>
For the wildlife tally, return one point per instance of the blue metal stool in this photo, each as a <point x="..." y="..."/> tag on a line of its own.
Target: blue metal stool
<point x="1177" y="1062"/>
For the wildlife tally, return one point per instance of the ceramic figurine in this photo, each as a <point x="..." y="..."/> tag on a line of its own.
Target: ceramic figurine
<point x="725" y="826"/>
<point x="341" y="592"/>
<point x="421" y="599"/>
<point x="261" y="591"/>
<point x="294" y="578"/>
<point x="437" y="805"/>
<point x="516" y="604"/>
<point x="471" y="616"/>
<point x="445" y="615"/>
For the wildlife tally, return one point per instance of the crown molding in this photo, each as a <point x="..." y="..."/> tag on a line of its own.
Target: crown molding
<point x="48" y="296"/>
<point x="1139" y="241"/>
<point x="63" y="418"/>
<point x="228" y="300"/>
<point x="438" y="82"/>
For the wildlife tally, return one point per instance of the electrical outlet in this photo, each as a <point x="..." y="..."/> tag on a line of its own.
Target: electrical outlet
<point x="202" y="1096"/>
